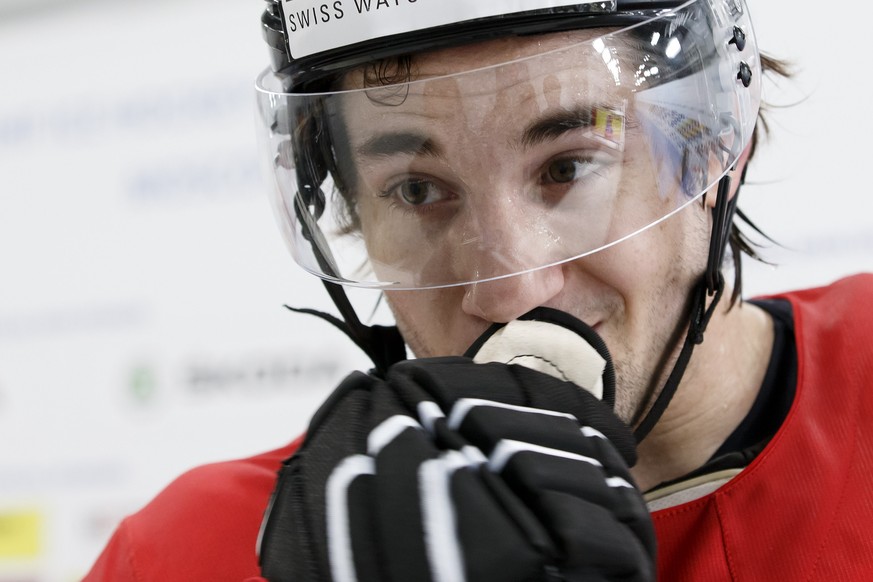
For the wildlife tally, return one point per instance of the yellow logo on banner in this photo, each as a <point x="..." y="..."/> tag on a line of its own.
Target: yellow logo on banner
<point x="20" y="534"/>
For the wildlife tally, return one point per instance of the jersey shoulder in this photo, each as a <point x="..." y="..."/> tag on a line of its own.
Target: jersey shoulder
<point x="857" y="286"/>
<point x="845" y="301"/>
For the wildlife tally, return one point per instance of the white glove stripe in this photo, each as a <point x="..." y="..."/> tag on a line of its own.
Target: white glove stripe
<point x="474" y="455"/>
<point x="506" y="449"/>
<point x="438" y="516"/>
<point x="618" y="482"/>
<point x="429" y="412"/>
<point x="389" y="430"/>
<point x="592" y="432"/>
<point x="339" y="541"/>
<point x="465" y="405"/>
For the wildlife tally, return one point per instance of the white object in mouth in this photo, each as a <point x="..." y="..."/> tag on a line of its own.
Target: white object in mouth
<point x="548" y="348"/>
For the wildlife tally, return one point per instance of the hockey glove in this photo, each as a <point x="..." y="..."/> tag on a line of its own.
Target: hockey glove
<point x="450" y="470"/>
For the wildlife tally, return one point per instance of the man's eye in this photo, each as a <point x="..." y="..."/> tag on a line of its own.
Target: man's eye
<point x="566" y="170"/>
<point x="416" y="192"/>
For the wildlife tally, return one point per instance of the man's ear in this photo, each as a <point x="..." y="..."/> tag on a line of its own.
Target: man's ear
<point x="736" y="176"/>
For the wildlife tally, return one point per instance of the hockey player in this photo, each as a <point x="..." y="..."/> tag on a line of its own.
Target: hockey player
<point x="544" y="191"/>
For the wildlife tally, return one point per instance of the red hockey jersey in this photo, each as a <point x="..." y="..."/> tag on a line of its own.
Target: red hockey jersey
<point x="802" y="510"/>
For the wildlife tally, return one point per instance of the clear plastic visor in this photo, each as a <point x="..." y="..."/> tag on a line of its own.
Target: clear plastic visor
<point x="486" y="161"/>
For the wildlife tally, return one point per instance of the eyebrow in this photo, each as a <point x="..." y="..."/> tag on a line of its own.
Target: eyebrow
<point x="557" y="123"/>
<point x="399" y="143"/>
<point x="411" y="143"/>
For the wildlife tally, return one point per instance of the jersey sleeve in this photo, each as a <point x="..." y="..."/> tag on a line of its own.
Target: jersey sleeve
<point x="203" y="526"/>
<point x="116" y="562"/>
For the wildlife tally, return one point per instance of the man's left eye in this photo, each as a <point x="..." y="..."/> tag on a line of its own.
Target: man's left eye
<point x="567" y="170"/>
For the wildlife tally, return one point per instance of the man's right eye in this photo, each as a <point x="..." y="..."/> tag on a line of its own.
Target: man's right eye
<point x="416" y="192"/>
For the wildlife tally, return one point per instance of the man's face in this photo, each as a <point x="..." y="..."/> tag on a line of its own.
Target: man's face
<point x="463" y="180"/>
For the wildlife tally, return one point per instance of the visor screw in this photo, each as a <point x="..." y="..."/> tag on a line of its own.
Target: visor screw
<point x="739" y="38"/>
<point x="745" y="74"/>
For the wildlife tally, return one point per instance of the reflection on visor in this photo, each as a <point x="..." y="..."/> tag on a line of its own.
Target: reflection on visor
<point x="443" y="174"/>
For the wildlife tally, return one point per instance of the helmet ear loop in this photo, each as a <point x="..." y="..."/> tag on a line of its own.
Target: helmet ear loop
<point x="311" y="168"/>
<point x="722" y="217"/>
<point x="295" y="153"/>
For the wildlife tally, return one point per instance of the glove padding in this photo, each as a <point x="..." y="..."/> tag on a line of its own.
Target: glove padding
<point x="448" y="470"/>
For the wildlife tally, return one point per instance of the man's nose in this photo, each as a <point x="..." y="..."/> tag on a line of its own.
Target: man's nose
<point x="505" y="231"/>
<point x="503" y="300"/>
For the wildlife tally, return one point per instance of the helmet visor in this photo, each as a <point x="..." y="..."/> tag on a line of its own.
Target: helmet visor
<point x="480" y="162"/>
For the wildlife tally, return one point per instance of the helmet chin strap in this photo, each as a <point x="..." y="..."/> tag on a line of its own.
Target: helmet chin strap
<point x="382" y="343"/>
<point x="711" y="284"/>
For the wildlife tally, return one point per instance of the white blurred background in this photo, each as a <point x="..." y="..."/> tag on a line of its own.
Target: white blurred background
<point x="142" y="278"/>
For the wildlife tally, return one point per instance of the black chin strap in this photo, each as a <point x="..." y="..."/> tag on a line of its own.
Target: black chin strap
<point x="710" y="285"/>
<point x="699" y="318"/>
<point x="383" y="344"/>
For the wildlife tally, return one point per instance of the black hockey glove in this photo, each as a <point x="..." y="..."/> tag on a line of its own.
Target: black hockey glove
<point x="450" y="470"/>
